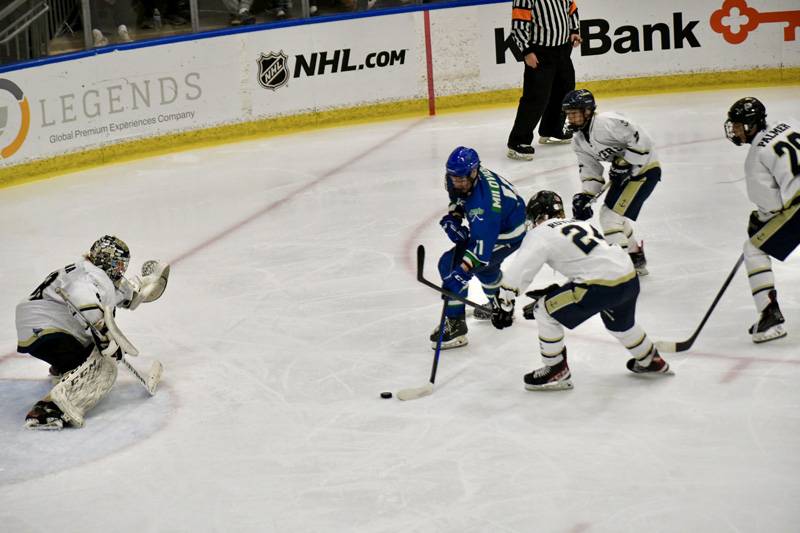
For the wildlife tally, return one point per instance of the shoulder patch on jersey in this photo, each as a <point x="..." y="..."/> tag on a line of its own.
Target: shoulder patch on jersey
<point x="475" y="214"/>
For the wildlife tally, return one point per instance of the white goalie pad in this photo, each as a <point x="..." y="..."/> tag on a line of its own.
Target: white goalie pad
<point x="82" y="388"/>
<point x="151" y="285"/>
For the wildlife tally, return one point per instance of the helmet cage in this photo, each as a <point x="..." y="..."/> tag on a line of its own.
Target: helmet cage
<point x="544" y="205"/>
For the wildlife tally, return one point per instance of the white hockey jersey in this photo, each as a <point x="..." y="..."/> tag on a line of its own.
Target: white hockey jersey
<point x="610" y="136"/>
<point x="772" y="168"/>
<point x="44" y="311"/>
<point x="572" y="248"/>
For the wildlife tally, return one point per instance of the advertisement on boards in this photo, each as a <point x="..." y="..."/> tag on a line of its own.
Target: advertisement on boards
<point x="63" y="107"/>
<point x="659" y="39"/>
<point x="344" y="64"/>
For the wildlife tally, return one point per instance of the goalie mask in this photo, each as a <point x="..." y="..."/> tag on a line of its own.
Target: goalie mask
<point x="461" y="172"/>
<point x="751" y="116"/>
<point x="544" y="205"/>
<point x="111" y="255"/>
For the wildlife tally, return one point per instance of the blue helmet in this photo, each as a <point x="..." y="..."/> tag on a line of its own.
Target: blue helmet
<point x="582" y="99"/>
<point x="461" y="163"/>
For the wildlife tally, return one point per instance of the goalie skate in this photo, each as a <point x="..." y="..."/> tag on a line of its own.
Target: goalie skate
<point x="770" y="323"/>
<point x="455" y="334"/>
<point x="44" y="416"/>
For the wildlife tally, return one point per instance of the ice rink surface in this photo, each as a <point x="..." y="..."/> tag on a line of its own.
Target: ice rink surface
<point x="293" y="303"/>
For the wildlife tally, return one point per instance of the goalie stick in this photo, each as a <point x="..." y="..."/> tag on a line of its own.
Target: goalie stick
<point x="156" y="369"/>
<point x="682" y="346"/>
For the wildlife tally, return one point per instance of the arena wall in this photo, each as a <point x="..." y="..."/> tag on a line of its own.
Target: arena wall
<point x="142" y="99"/>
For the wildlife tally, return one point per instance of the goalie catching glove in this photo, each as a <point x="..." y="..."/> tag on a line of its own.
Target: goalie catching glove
<point x="149" y="287"/>
<point x="503" y="307"/>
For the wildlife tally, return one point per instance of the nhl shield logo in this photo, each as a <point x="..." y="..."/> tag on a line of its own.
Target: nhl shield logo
<point x="273" y="72"/>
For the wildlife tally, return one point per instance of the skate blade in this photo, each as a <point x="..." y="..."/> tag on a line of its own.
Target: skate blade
<point x="776" y="332"/>
<point x="564" y="384"/>
<point x="53" y="425"/>
<point x="458" y="342"/>
<point x="511" y="154"/>
<point x="554" y="140"/>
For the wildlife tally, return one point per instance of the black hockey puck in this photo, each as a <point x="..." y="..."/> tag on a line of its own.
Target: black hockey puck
<point x="386" y="395"/>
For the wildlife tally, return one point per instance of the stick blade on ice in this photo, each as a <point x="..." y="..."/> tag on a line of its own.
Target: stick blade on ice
<point x="154" y="377"/>
<point x="415" y="392"/>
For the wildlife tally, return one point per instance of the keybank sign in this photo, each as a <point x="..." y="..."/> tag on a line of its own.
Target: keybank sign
<point x="599" y="37"/>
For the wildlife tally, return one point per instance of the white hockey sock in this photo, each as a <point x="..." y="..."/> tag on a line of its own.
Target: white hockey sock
<point x="636" y="341"/>
<point x="616" y="228"/>
<point x="759" y="274"/>
<point x="551" y="336"/>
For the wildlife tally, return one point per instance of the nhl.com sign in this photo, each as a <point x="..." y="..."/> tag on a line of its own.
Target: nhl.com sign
<point x="274" y="70"/>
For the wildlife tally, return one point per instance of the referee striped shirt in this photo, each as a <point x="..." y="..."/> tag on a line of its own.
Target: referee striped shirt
<point x="543" y="22"/>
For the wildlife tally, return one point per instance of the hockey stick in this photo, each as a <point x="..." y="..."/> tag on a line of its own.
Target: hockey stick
<point x="156" y="369"/>
<point x="682" y="346"/>
<point x="451" y="295"/>
<point x="414" y="393"/>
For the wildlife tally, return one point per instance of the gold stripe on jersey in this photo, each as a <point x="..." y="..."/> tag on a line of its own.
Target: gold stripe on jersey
<point x="47" y="331"/>
<point x="563" y="299"/>
<point x="649" y="166"/>
<point x="774" y="224"/>
<point x="611" y="282"/>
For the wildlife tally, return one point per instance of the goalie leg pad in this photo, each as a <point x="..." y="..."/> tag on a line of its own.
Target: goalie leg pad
<point x="78" y="392"/>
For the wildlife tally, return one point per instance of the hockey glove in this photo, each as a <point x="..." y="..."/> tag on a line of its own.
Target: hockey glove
<point x="457" y="280"/>
<point x="581" y="208"/>
<point x="536" y="294"/>
<point x="754" y="225"/>
<point x="455" y="231"/>
<point x="456" y="209"/>
<point x="620" y="172"/>
<point x="503" y="308"/>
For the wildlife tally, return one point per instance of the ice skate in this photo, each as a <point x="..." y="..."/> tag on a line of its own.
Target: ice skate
<point x="657" y="366"/>
<point x="480" y="314"/>
<point x="770" y="324"/>
<point x="521" y="152"/>
<point x="455" y="333"/>
<point x="556" y="377"/>
<point x="639" y="261"/>
<point x="555" y="140"/>
<point x="45" y="415"/>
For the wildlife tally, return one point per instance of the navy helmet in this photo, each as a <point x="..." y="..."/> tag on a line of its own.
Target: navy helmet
<point x="582" y="99"/>
<point x="461" y="163"/>
<point x="750" y="113"/>
<point x="544" y="205"/>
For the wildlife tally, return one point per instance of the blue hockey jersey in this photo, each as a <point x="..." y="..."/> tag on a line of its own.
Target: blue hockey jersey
<point x="495" y="214"/>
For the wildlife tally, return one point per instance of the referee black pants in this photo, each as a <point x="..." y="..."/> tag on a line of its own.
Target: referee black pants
<point x="543" y="89"/>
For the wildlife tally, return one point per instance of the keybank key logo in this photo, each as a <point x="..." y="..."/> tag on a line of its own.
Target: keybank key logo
<point x="11" y="141"/>
<point x="735" y="20"/>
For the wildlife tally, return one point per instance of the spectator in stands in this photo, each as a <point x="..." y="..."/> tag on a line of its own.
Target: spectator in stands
<point x="240" y="11"/>
<point x="172" y="12"/>
<point x="111" y="17"/>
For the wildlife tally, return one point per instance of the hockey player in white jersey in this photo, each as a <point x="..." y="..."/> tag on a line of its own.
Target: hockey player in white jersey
<point x="772" y="175"/>
<point x="46" y="329"/>
<point x="634" y="172"/>
<point x="600" y="279"/>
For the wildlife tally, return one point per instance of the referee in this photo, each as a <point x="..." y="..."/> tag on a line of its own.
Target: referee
<point x="543" y="33"/>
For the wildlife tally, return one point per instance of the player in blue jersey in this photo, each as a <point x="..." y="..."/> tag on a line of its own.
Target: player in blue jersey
<point x="495" y="224"/>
